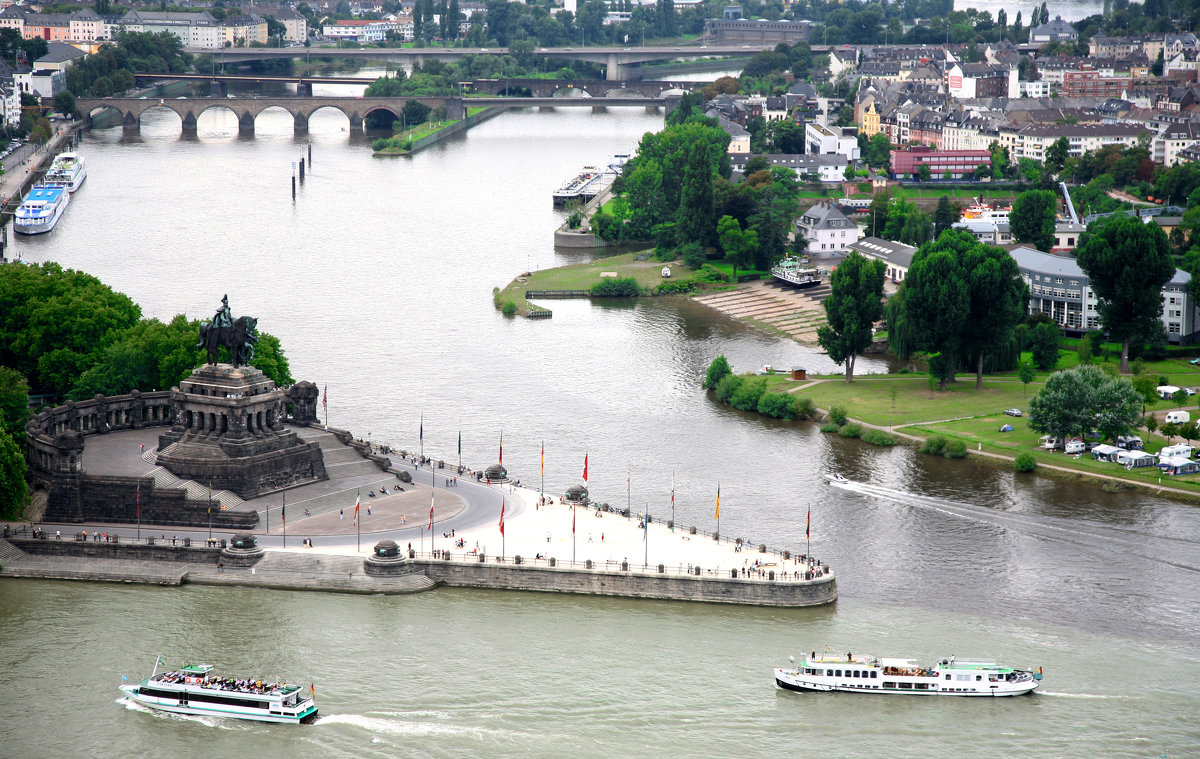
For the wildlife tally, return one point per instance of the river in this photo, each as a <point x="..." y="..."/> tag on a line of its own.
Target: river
<point x="378" y="280"/>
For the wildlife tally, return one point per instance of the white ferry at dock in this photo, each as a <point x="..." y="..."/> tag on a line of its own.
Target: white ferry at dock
<point x="794" y="272"/>
<point x="869" y="674"/>
<point x="194" y="689"/>
<point x="68" y="170"/>
<point x="41" y="209"/>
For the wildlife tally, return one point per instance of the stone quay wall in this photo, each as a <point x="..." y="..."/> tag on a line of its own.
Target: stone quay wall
<point x="90" y="549"/>
<point x="628" y="584"/>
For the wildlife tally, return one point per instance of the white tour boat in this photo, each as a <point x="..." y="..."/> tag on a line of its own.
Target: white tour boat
<point x="41" y="209"/>
<point x="792" y="271"/>
<point x="67" y="170"/>
<point x="868" y="674"/>
<point x="195" y="689"/>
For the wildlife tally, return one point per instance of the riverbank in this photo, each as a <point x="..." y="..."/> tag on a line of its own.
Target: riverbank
<point x="577" y="280"/>
<point x="906" y="406"/>
<point x="429" y="134"/>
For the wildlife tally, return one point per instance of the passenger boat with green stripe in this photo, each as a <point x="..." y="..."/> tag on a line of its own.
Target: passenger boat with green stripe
<point x="869" y="674"/>
<point x="196" y="689"/>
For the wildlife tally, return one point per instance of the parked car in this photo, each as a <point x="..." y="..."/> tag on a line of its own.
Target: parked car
<point x="1012" y="412"/>
<point x="1195" y="362"/>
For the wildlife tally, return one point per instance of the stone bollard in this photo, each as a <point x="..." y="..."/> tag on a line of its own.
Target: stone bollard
<point x="697" y="570"/>
<point x="716" y="536"/>
<point x="624" y="566"/>
<point x="412" y="554"/>
<point x="149" y="540"/>
<point x="787" y="554"/>
<point x="649" y="519"/>
<point x="762" y="547"/>
<point x="692" y="530"/>
<point x="446" y="555"/>
<point x="517" y="559"/>
<point x="115" y="538"/>
<point x="671" y="524"/>
<point x="661" y="569"/>
<point x="224" y="544"/>
<point x="187" y="542"/>
<point x="771" y="575"/>
<point x="733" y="573"/>
<point x="553" y="562"/>
<point x="482" y="558"/>
<point x="589" y="563"/>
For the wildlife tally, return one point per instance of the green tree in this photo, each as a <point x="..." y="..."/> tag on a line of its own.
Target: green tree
<point x="936" y="300"/>
<point x="1033" y="217"/>
<point x="917" y="228"/>
<point x="1127" y="263"/>
<point x="14" y="495"/>
<point x="718" y="370"/>
<point x="1076" y="400"/>
<point x="997" y="302"/>
<point x="695" y="219"/>
<point x="924" y="173"/>
<point x="1045" y="338"/>
<point x="944" y="217"/>
<point x="1056" y="154"/>
<point x="852" y="308"/>
<point x="740" y="246"/>
<point x="1026" y="374"/>
<point x="64" y="102"/>
<point x="415" y="112"/>
<point x="14" y="402"/>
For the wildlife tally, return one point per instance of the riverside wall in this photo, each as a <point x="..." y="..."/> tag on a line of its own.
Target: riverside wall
<point x="630" y="584"/>
<point x="457" y="127"/>
<point x="72" y="559"/>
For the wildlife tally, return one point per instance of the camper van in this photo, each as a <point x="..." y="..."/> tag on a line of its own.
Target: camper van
<point x="1050" y="443"/>
<point x="1178" y="417"/>
<point x="1075" y="445"/>
<point x="1180" y="451"/>
<point x="1129" y="442"/>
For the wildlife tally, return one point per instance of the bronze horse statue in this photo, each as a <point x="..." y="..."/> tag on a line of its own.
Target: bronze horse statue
<point x="239" y="338"/>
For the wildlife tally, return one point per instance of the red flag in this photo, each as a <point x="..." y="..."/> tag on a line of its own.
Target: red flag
<point x="501" y="516"/>
<point x="585" y="467"/>
<point x="431" y="515"/>
<point x="357" y="503"/>
<point x="808" y="523"/>
<point x="501" y="448"/>
<point x="572" y="520"/>
<point x="325" y="399"/>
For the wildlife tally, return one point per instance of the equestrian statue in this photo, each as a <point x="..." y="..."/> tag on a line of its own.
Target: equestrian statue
<point x="238" y="335"/>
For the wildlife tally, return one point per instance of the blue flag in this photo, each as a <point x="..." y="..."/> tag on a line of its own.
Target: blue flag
<point x="124" y="679"/>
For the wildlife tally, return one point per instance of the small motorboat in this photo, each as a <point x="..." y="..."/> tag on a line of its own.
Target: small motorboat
<point x="836" y="478"/>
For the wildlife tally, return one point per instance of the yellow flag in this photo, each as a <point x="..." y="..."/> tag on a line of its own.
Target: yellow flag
<point x="718" y="514"/>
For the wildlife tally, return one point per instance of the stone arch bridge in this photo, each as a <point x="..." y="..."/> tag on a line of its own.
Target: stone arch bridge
<point x="597" y="88"/>
<point x="247" y="109"/>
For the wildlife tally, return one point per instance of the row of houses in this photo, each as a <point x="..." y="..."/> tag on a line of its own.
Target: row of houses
<point x="195" y="29"/>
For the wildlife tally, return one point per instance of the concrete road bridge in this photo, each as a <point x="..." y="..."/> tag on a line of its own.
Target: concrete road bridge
<point x="510" y="86"/>
<point x="130" y="110"/>
<point x="621" y="63"/>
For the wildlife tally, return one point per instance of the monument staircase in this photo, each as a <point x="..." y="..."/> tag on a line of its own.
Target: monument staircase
<point x="347" y="470"/>
<point x="196" y="492"/>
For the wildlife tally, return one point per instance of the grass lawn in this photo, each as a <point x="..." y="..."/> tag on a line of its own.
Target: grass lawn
<point x="985" y="431"/>
<point x="869" y="398"/>
<point x="982" y="191"/>
<point x="582" y="276"/>
<point x="727" y="269"/>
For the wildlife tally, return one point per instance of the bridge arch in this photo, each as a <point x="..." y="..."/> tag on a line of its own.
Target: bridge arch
<point x="569" y="90"/>
<point x="375" y="115"/>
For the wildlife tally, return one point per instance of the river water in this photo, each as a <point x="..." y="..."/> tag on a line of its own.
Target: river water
<point x="378" y="280"/>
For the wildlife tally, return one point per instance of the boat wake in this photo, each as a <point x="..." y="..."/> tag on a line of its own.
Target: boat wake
<point x="403" y="727"/>
<point x="1079" y="695"/>
<point x="1088" y="535"/>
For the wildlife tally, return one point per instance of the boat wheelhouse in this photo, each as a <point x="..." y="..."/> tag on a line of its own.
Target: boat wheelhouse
<point x="41" y="209"/>
<point x="195" y="689"/>
<point x="794" y="272"/>
<point x="68" y="171"/>
<point x="869" y="674"/>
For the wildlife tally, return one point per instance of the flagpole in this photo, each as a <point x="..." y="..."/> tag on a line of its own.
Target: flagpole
<point x="542" y="488"/>
<point x="358" y="522"/>
<point x="432" y="495"/>
<point x="672" y="500"/>
<point x="460" y="445"/>
<point x="646" y="537"/>
<point x="283" y="518"/>
<point x="718" y="510"/>
<point x="421" y="437"/>
<point x="139" y="510"/>
<point x="628" y="500"/>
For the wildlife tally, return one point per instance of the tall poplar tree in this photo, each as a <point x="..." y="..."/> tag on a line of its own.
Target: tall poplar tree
<point x="696" y="217"/>
<point x="1033" y="216"/>
<point x="944" y="217"/>
<point x="852" y="309"/>
<point x="1127" y="263"/>
<point x="997" y="302"/>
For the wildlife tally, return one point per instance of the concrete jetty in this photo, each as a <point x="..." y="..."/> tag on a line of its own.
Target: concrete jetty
<point x="548" y="544"/>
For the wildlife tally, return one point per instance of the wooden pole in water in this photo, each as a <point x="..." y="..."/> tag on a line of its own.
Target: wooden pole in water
<point x="301" y="169"/>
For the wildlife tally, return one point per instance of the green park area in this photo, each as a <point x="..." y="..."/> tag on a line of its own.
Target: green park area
<point x="584" y="276"/>
<point x="912" y="405"/>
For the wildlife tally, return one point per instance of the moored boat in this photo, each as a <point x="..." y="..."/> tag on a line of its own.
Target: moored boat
<point x="577" y="188"/>
<point x="195" y="689"/>
<point x="67" y="170"/>
<point x="869" y="674"/>
<point x="794" y="272"/>
<point x="41" y="209"/>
